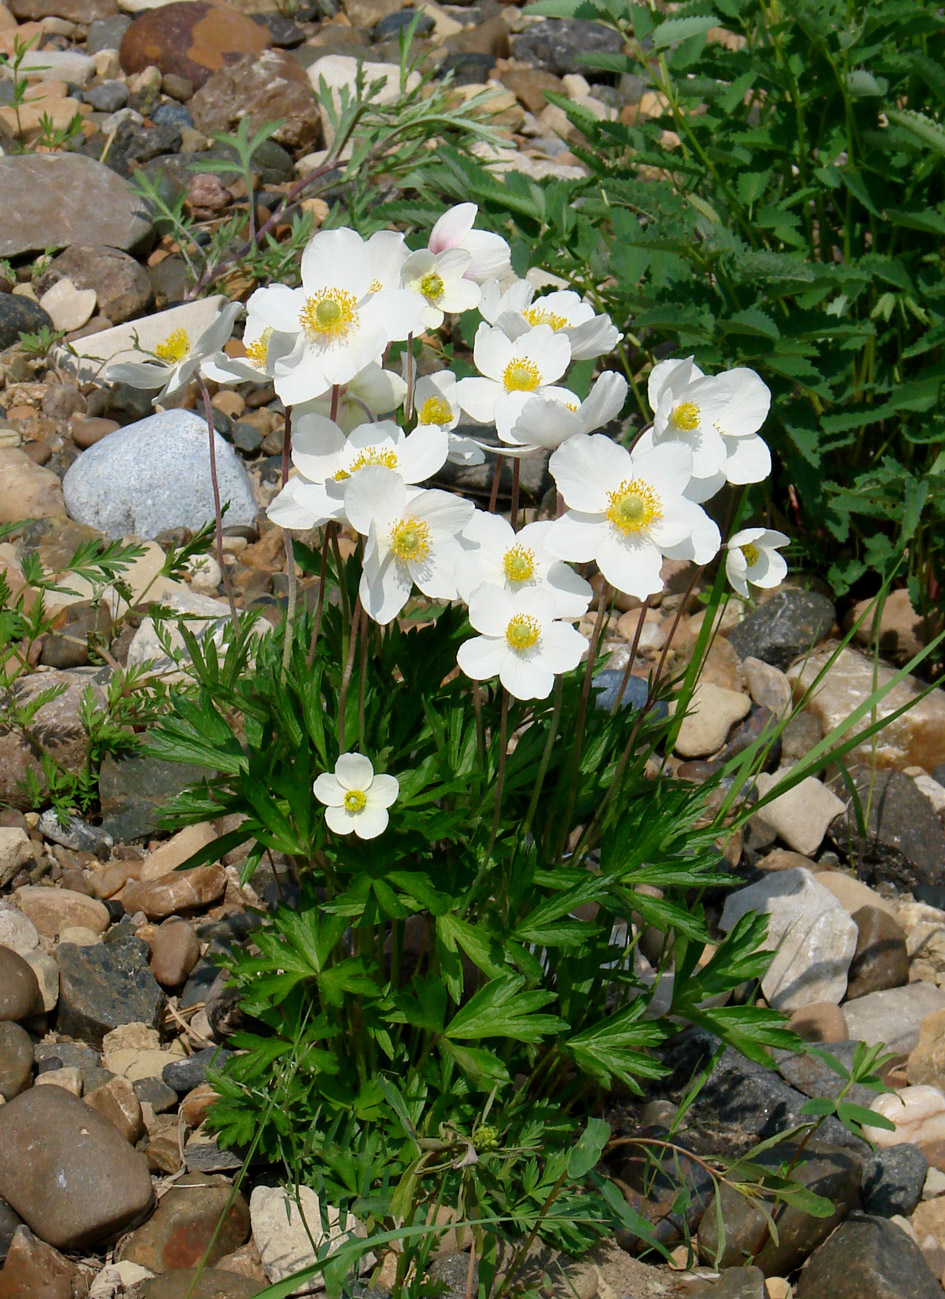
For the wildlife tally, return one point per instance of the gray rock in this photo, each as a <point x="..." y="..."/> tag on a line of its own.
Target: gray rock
<point x="184" y="1075"/>
<point x="155" y="1093"/>
<point x="810" y="1075"/>
<point x="134" y="789"/>
<point x="784" y="627"/>
<point x="18" y="315"/>
<point x="16" y="1060"/>
<point x="76" y="834"/>
<point x="558" y="44"/>
<point x="19" y="991"/>
<point x="893" y="1181"/>
<point x="740" y="1283"/>
<point x="106" y="33"/>
<point x="155" y="475"/>
<point x="893" y="1015"/>
<point x="9" y="1221"/>
<point x="868" y="1258"/>
<point x="107" y="97"/>
<point x="105" y="986"/>
<point x="51" y="200"/>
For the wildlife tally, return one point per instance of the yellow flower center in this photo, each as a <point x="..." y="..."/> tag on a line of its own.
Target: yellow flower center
<point x="751" y="554"/>
<point x="522" y="632"/>
<point x="633" y="506"/>
<point x="431" y="286"/>
<point x="536" y="316"/>
<point x="355" y="800"/>
<point x="329" y="315"/>
<point x="521" y="375"/>
<point x="685" y="416"/>
<point x="174" y="348"/>
<point x="384" y="456"/>
<point x="410" y="540"/>
<point x="436" y="410"/>
<point x="519" y="564"/>
<point x="256" y="351"/>
<point x="375" y="286"/>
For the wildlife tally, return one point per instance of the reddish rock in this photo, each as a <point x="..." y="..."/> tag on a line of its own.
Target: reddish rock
<point x="175" y="950"/>
<point x="178" y="891"/>
<point x="35" y="1269"/>
<point x="185" y="1221"/>
<point x="264" y="87"/>
<point x="74" y="11"/>
<point x="118" y="1102"/>
<point x="190" y="38"/>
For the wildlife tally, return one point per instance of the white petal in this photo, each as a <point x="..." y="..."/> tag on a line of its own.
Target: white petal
<point x="572" y="594"/>
<point x="593" y="338"/>
<point x="371" y="822"/>
<point x="586" y="467"/>
<point x="667" y="376"/>
<point x="278" y="307"/>
<point x="478" y="397"/>
<point x="138" y="374"/>
<point x="562" y="647"/>
<point x="492" y="352"/>
<point x="749" y="403"/>
<point x="423" y="453"/>
<point x="336" y="259"/>
<point x="551" y="352"/>
<point x="327" y="789"/>
<point x="317" y="443"/>
<point x="526" y="679"/>
<point x="577" y="536"/>
<point x="384" y="588"/>
<point x="604" y="401"/>
<point x="452" y="227"/>
<point x="339" y="820"/>
<point x="490" y="608"/>
<point x="384" y="790"/>
<point x="218" y="331"/>
<point x="394" y="313"/>
<point x="735" y="570"/>
<point x="482" y="657"/>
<point x="749" y="460"/>
<point x="490" y="255"/>
<point x="632" y="567"/>
<point x="667" y="468"/>
<point x="376" y="496"/>
<point x="354" y="771"/>
<point x="776" y="571"/>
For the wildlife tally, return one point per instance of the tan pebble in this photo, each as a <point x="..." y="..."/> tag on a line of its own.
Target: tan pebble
<point x="777" y="1288"/>
<point x="119" y="1104"/>
<point x="69" y="1078"/>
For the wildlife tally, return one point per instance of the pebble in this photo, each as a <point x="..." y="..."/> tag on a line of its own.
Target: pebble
<point x="118" y="1102"/>
<point x="121" y="285"/>
<point x="195" y="1283"/>
<point x="893" y="1016"/>
<point x="867" y="1258"/>
<point x="16" y="1060"/>
<point x="881" y="959"/>
<point x="339" y="72"/>
<point x="820" y="1022"/>
<point x="189" y="38"/>
<point x="265" y="86"/>
<point x="926" y="1063"/>
<point x="35" y="1269"/>
<point x="15" y="851"/>
<point x="801" y="815"/>
<point x="768" y="686"/>
<point x="74" y="833"/>
<point x="852" y="894"/>
<point x="178" y="891"/>
<point x="16" y="932"/>
<point x="133" y="790"/>
<point x="200" y="1219"/>
<point x="66" y="1170"/>
<point x="784" y="627"/>
<point x="175" y="950"/>
<point x="19" y="990"/>
<point x="893" y="1180"/>
<point x="107" y="97"/>
<point x="184" y="1075"/>
<point x="710" y="716"/>
<point x="105" y="986"/>
<point x="919" y="1115"/>
<point x="68" y="307"/>
<point x="155" y="475"/>
<point x="69" y="1078"/>
<point x="558" y="44"/>
<point x="27" y="490"/>
<point x="284" y="1229"/>
<point x="52" y="910"/>
<point x="175" y="851"/>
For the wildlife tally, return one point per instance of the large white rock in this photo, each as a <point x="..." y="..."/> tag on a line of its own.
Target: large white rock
<point x="812" y="936"/>
<point x="154" y="475"/>
<point x="800" y="816"/>
<point x="285" y="1226"/>
<point x="893" y="1015"/>
<point x="118" y="344"/>
<point x="338" y="72"/>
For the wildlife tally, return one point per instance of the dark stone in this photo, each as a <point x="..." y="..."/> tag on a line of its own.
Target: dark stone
<point x="635" y="693"/>
<point x="19" y="315"/>
<point x="184" y="1075"/>
<point x="881" y="959"/>
<point x="201" y="980"/>
<point x="246" y="438"/>
<point x="391" y="25"/>
<point x="203" y="1156"/>
<point x="16" y="1059"/>
<point x="156" y="1093"/>
<point x="223" y="1007"/>
<point x="107" y="96"/>
<point x="283" y="32"/>
<point x="450" y="1275"/>
<point x="134" y="790"/>
<point x="868" y="1258"/>
<point x="67" y="646"/>
<point x="892" y="1181"/>
<point x="8" y="1225"/>
<point x="674" y="1189"/>
<point x="469" y="67"/>
<point x="68" y="1055"/>
<point x="171" y="114"/>
<point x="135" y="144"/>
<point x="559" y="44"/>
<point x="76" y="834"/>
<point x="758" y="721"/>
<point x="810" y="1075"/>
<point x="104" y="986"/>
<point x="784" y="627"/>
<point x="114" y="908"/>
<point x="106" y="33"/>
<point x="904" y="844"/>
<point x="271" y="163"/>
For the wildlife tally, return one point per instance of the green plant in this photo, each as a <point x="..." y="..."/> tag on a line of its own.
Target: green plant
<point x="56" y="137"/>
<point x="14" y="66"/>
<point x="40" y="342"/>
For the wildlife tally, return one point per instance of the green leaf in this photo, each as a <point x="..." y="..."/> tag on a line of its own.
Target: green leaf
<point x="586" y="1153"/>
<point x="502" y="1009"/>
<point x="675" y="30"/>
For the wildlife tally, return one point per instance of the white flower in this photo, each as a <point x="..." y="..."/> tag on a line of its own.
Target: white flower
<point x="628" y="513"/>
<point x="499" y="298"/>
<point x="434" y="399"/>
<point x="373" y="391"/>
<point x="438" y="277"/>
<point x="515" y="308"/>
<point x="387" y="251"/>
<point x="529" y="364"/>
<point x="326" y="460"/>
<point x="339" y="322"/>
<point x="521" y="642"/>
<point x="752" y="556"/>
<point x="413" y="538"/>
<point x="499" y="556"/>
<point x="355" y="798"/>
<point x="490" y="253"/>
<point x="686" y="407"/>
<point x="747" y="458"/>
<point x="535" y="423"/>
<point x="176" y="359"/>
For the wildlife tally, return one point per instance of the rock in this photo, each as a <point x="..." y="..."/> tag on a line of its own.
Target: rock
<point x="558" y="44"/>
<point x="117" y="1101"/>
<point x="867" y="1258"/>
<point x="820" y="1022"/>
<point x="52" y="910"/>
<point x="926" y="1063"/>
<point x="658" y="1178"/>
<point x="832" y="1173"/>
<point x="265" y="87"/>
<point x="917" y="738"/>
<point x="105" y="986"/>
<point x="198" y="1213"/>
<point x="16" y="932"/>
<point x="106" y="33"/>
<point x="9" y="1221"/>
<point x="190" y="38"/>
<point x="902" y="632"/>
<point x="134" y="788"/>
<point x="107" y="97"/>
<point x="155" y="475"/>
<point x="66" y="1170"/>
<point x="46" y="973"/>
<point x="712" y="712"/>
<point x="784" y="627"/>
<point x="69" y="1078"/>
<point x="918" y="1114"/>
<point x="196" y="1283"/>
<point x="73" y="833"/>
<point x="52" y="200"/>
<point x="184" y="1075"/>
<point x="893" y="1016"/>
<point x="36" y="1269"/>
<point x="204" y="1155"/>
<point x="284" y="1228"/>
<point x="810" y="1075"/>
<point x="812" y="936"/>
<point x="768" y="687"/>
<point x="74" y="11"/>
<point x="175" y="851"/>
<point x="156" y="1093"/>
<point x="892" y="1181"/>
<point x="801" y="815"/>
<point x="339" y="71"/>
<point x="15" y="851"/>
<point x="18" y="314"/>
<point x="19" y="991"/>
<point x="121" y="285"/>
<point x="69" y="307"/>
<point x="175" y="950"/>
<point x="176" y="892"/>
<point x="904" y="842"/>
<point x="27" y="490"/>
<point x="852" y="894"/>
<point x="880" y="960"/>
<point x="16" y="1060"/>
<point x="57" y="724"/>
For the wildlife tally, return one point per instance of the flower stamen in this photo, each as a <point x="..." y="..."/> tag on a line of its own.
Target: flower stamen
<point x="536" y="316"/>
<point x="633" y="507"/>
<point x="329" y="315"/>
<point x="355" y="800"/>
<point x="410" y="540"/>
<point x="685" y="416"/>
<point x="436" y="410"/>
<point x="522" y="632"/>
<point x="751" y="553"/>
<point x="518" y="564"/>
<point x="174" y="348"/>
<point x="384" y="456"/>
<point x="431" y="286"/>
<point x="521" y="375"/>
<point x="257" y="350"/>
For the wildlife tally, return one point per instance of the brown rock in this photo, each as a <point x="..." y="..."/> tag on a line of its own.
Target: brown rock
<point x="108" y="881"/>
<point x="264" y="88"/>
<point x="852" y="894"/>
<point x="488" y="37"/>
<point x="163" y="1153"/>
<point x="176" y="892"/>
<point x="246" y="1262"/>
<point x="926" y="1063"/>
<point x="190" y="38"/>
<point x="120" y="283"/>
<point x="175" y="950"/>
<point x="195" y="1105"/>
<point x="67" y="1171"/>
<point x="185" y="1221"/>
<point x="16" y="1060"/>
<point x="19" y="991"/>
<point x="74" y="11"/>
<point x="902" y="631"/>
<point x="783" y="859"/>
<point x="190" y="1283"/>
<point x="118" y="1102"/>
<point x="34" y="1270"/>
<point x="820" y="1022"/>
<point x="27" y="490"/>
<point x="56" y="726"/>
<point x="86" y="430"/>
<point x="175" y="852"/>
<point x="529" y="86"/>
<point x="53" y="910"/>
<point x="881" y="959"/>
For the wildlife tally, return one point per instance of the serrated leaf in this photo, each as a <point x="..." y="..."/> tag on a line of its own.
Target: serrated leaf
<point x="675" y="30"/>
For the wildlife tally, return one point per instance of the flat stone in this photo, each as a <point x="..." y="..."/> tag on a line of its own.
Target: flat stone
<point x="74" y="11"/>
<point x="768" y="686"/>
<point x="810" y="1075"/>
<point x="19" y="991"/>
<point x="785" y="627"/>
<point x="852" y="894"/>
<point x="712" y="712"/>
<point x="184" y="1075"/>
<point x="867" y="1258"/>
<point x="69" y="307"/>
<point x="881" y="959"/>
<point x="16" y="1060"/>
<point x="105" y="986"/>
<point x="821" y="1021"/>
<point x="51" y="200"/>
<point x="175" y="851"/>
<point x="155" y="475"/>
<point x="199" y="1213"/>
<point x="902" y="632"/>
<point x="893" y="1180"/>
<point x="264" y="87"/>
<point x="893" y="1016"/>
<point x="27" y="490"/>
<point x="284" y="1229"/>
<point x="52" y="910"/>
<point x="120" y="283"/>
<point x="15" y="851"/>
<point x="176" y="892"/>
<point x="59" y="725"/>
<point x="190" y="38"/>
<point x="918" y="1117"/>
<point x="917" y="738"/>
<point x="67" y="1171"/>
<point x="118" y="1102"/>
<point x="134" y="789"/>
<point x="194" y="1283"/>
<point x="812" y="936"/>
<point x="339" y="71"/>
<point x="801" y="815"/>
<point x="33" y="1268"/>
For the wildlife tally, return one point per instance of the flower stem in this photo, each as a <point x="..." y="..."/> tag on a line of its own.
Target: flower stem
<point x="545" y="757"/>
<point x="322" y="582"/>
<point x="500" y="777"/>
<point x="495" y="484"/>
<point x="346" y="675"/>
<point x="644" y="609"/>
<point x="516" y="471"/>
<point x="217" y="507"/>
<point x="289" y="552"/>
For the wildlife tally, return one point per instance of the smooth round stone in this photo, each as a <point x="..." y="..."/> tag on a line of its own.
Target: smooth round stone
<point x="16" y="1060"/>
<point x="19" y="991"/>
<point x="881" y="959"/>
<point x="19" y="315"/>
<point x="107" y="96"/>
<point x="187" y="1223"/>
<point x="868" y="1258"/>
